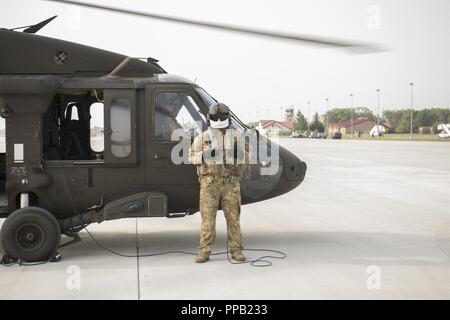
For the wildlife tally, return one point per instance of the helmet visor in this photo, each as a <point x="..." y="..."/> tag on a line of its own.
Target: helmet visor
<point x="219" y="116"/>
<point x="220" y="124"/>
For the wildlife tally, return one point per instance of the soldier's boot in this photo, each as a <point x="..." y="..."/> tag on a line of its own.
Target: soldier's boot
<point x="237" y="255"/>
<point x="202" y="257"/>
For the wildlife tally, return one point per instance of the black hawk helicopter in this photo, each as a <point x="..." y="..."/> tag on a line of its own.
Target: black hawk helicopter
<point x="59" y="174"/>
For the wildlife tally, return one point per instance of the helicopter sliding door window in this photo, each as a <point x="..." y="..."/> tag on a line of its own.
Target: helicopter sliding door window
<point x="176" y="110"/>
<point x="96" y="129"/>
<point x="120" y="127"/>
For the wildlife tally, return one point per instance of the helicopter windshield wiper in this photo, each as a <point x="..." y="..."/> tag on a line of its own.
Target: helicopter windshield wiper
<point x="241" y="123"/>
<point x="352" y="46"/>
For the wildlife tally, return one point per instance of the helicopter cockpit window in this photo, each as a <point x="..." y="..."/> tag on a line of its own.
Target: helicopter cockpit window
<point x="177" y="110"/>
<point x="206" y="98"/>
<point x="236" y="123"/>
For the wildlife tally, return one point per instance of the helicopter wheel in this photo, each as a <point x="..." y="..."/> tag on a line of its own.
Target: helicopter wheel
<point x="30" y="234"/>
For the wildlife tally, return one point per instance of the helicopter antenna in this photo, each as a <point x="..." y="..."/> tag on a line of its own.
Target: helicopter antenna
<point x="35" y="27"/>
<point x="354" y="47"/>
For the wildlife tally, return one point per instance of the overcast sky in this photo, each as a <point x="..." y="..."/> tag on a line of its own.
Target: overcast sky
<point x="252" y="75"/>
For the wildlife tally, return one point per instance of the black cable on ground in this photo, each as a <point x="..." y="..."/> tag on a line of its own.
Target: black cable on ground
<point x="259" y="262"/>
<point x="262" y="261"/>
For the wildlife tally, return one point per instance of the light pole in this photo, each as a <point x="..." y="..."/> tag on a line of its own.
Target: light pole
<point x="378" y="113"/>
<point x="326" y="116"/>
<point x="351" y="118"/>
<point x="412" y="111"/>
<point x="309" y="111"/>
<point x="293" y="114"/>
<point x="268" y="114"/>
<point x="281" y="114"/>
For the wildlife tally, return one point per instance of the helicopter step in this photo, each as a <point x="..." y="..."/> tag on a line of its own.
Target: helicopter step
<point x="181" y="214"/>
<point x="144" y="204"/>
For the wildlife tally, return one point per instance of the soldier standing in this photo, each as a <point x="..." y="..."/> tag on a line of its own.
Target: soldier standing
<point x="220" y="179"/>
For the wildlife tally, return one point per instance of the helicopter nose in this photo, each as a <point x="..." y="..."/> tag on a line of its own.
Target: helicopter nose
<point x="293" y="173"/>
<point x="289" y="171"/>
<point x="294" y="169"/>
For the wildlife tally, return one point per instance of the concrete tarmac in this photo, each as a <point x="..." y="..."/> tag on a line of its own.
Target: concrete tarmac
<point x="370" y="221"/>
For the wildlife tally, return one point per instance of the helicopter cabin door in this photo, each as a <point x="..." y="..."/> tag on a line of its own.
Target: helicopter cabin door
<point x="174" y="119"/>
<point x="124" y="175"/>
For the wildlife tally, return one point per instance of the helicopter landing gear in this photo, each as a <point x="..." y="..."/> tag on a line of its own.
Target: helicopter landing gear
<point x="30" y="234"/>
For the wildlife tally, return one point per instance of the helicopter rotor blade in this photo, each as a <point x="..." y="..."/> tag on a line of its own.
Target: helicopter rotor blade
<point x="354" y="47"/>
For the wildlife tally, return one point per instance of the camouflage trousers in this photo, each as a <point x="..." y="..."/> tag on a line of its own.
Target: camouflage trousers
<point x="228" y="194"/>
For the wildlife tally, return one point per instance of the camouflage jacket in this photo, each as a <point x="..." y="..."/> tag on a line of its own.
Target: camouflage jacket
<point x="221" y="162"/>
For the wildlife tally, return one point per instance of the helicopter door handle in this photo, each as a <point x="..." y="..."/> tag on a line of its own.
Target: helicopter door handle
<point x="158" y="156"/>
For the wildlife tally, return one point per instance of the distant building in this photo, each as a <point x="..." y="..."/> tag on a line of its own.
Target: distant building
<point x="271" y="128"/>
<point x="289" y="115"/>
<point x="361" y="125"/>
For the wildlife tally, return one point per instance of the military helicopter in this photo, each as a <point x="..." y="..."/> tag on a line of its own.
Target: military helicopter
<point x="55" y="178"/>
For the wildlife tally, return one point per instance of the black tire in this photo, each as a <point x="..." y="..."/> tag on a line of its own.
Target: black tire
<point x="30" y="234"/>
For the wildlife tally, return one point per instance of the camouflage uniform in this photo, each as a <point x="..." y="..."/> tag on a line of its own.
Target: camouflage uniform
<point x="219" y="185"/>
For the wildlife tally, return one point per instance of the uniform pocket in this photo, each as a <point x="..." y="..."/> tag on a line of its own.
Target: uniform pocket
<point x="234" y="179"/>
<point x="206" y="178"/>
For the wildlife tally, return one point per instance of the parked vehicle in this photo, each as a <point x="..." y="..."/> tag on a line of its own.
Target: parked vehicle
<point x="297" y="134"/>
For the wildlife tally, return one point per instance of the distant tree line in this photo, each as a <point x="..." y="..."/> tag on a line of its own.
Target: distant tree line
<point x="344" y="114"/>
<point x="398" y="120"/>
<point x="334" y="115"/>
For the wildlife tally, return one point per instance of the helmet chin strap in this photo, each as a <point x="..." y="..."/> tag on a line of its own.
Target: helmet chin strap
<point x="220" y="124"/>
